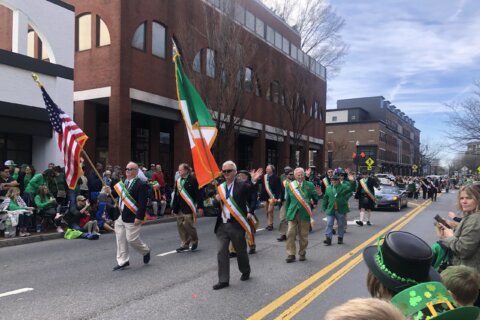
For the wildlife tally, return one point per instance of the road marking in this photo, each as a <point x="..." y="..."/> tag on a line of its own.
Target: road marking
<point x="275" y="304"/>
<point x="413" y="204"/>
<point x="261" y="229"/>
<point x="166" y="253"/>
<point x="314" y="293"/>
<point x="10" y="293"/>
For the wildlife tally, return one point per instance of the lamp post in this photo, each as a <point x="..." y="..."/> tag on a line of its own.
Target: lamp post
<point x="357" y="155"/>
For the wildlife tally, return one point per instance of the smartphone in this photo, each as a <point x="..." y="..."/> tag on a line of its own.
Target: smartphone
<point x="442" y="222"/>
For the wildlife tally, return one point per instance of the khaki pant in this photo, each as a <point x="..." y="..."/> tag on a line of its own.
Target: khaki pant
<point x="303" y="230"/>
<point x="186" y="230"/>
<point x="270" y="207"/>
<point x="282" y="227"/>
<point x="128" y="234"/>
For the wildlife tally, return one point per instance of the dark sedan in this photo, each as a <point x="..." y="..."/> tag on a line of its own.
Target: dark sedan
<point x="391" y="197"/>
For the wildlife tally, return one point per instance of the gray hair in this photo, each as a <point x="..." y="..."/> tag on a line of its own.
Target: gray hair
<point x="230" y="163"/>
<point x="298" y="169"/>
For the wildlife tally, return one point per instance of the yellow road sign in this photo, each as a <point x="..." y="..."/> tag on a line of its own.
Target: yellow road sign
<point x="369" y="162"/>
<point x="478" y="169"/>
<point x="414" y="168"/>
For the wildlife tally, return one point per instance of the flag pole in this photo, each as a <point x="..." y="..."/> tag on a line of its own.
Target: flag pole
<point x="36" y="78"/>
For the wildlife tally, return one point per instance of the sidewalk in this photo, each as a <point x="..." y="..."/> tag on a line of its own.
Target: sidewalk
<point x="36" y="237"/>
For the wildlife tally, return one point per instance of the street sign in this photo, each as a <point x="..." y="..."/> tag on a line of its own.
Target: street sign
<point x="369" y="162"/>
<point x="478" y="169"/>
<point x="464" y="169"/>
<point x="414" y="168"/>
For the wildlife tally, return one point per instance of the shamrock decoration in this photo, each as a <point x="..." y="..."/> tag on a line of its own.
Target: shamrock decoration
<point x="414" y="299"/>
<point x="431" y="287"/>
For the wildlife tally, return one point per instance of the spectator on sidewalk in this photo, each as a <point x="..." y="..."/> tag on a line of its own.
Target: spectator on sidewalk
<point x="33" y="187"/>
<point x="47" y="206"/>
<point x="6" y="181"/>
<point x="463" y="283"/>
<point x="79" y="217"/>
<point x="13" y="202"/>
<point x="365" y="309"/>
<point x="94" y="182"/>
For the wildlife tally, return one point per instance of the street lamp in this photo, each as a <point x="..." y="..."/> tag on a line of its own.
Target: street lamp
<point x="357" y="158"/>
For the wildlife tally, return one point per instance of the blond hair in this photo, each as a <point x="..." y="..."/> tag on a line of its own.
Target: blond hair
<point x="472" y="191"/>
<point x="377" y="289"/>
<point x="365" y="309"/>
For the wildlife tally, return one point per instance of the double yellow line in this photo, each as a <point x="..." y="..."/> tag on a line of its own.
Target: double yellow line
<point x="315" y="292"/>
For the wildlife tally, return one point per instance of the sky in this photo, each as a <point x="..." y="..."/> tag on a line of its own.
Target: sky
<point x="419" y="55"/>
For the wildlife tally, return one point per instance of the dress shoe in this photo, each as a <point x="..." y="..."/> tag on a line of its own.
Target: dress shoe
<point x="360" y="223"/>
<point x="369" y="223"/>
<point x="334" y="231"/>
<point x="282" y="238"/>
<point x="181" y="249"/>
<point x="252" y="251"/>
<point x="245" y="276"/>
<point x="302" y="258"/>
<point x="146" y="258"/>
<point x="290" y="259"/>
<point x="120" y="267"/>
<point x="232" y="254"/>
<point x="269" y="228"/>
<point x="328" y="241"/>
<point x="194" y="246"/>
<point x="340" y="240"/>
<point x="220" y="285"/>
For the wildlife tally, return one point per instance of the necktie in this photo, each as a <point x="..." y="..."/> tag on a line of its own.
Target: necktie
<point x="228" y="191"/>
<point x="127" y="184"/>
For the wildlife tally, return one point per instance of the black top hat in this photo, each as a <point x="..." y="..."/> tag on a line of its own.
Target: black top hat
<point x="401" y="261"/>
<point x="245" y="172"/>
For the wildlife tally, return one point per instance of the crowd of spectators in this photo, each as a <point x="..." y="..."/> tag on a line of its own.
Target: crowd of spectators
<point x="32" y="200"/>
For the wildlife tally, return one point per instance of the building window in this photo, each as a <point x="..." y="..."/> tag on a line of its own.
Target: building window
<point x="35" y="47"/>
<point x="353" y="118"/>
<point x="258" y="91"/>
<point x="240" y="14"/>
<point x="293" y="52"/>
<point x="275" y="91"/>
<point x="158" y="40"/>
<point x="286" y="46"/>
<point x="260" y="27"/>
<point x="210" y="67"/>
<point x="248" y="79"/>
<point x="270" y="35"/>
<point x="371" y="130"/>
<point x="334" y="118"/>
<point x="315" y="110"/>
<point x="278" y="40"/>
<point x="250" y="20"/>
<point x="330" y="132"/>
<point x="138" y="40"/>
<point x="351" y="131"/>
<point x="103" y="35"/>
<point x="84" y="32"/>
<point x="197" y="62"/>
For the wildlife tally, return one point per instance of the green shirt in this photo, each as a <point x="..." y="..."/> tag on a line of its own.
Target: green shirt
<point x="35" y="183"/>
<point x="294" y="206"/>
<point x="44" y="203"/>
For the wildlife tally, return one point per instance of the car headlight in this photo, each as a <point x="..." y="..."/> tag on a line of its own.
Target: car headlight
<point x="395" y="198"/>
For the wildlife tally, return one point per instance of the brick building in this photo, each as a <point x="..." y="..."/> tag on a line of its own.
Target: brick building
<point x="125" y="95"/>
<point x="31" y="41"/>
<point x="375" y="128"/>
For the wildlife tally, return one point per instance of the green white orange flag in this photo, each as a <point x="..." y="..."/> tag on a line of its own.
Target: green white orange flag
<point x="200" y="127"/>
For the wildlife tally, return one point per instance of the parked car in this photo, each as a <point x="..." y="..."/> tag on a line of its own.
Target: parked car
<point x="389" y="176"/>
<point x="391" y="197"/>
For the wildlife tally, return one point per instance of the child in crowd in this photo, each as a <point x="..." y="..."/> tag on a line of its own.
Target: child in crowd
<point x="463" y="283"/>
<point x="365" y="309"/>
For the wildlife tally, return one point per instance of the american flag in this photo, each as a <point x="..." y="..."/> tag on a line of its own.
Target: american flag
<point x="70" y="138"/>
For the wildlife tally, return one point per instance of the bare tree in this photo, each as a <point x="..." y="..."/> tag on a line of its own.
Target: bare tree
<point x="429" y="153"/>
<point x="464" y="119"/>
<point x="341" y="153"/>
<point x="319" y="27"/>
<point x="226" y="84"/>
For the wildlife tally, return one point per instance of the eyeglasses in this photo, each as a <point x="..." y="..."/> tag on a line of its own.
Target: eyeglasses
<point x="130" y="169"/>
<point x="290" y="174"/>
<point x="227" y="171"/>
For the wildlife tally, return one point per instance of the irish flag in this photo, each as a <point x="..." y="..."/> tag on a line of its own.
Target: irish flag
<point x="200" y="127"/>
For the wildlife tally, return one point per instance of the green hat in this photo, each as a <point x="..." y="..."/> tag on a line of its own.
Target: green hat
<point x="431" y="300"/>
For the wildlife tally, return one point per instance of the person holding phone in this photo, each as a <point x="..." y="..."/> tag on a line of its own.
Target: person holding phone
<point x="464" y="240"/>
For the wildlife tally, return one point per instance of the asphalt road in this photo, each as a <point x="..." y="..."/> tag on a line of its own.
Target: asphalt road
<point x="73" y="279"/>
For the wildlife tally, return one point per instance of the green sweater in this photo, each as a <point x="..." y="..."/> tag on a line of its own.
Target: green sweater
<point x="44" y="203"/>
<point x="34" y="183"/>
<point x="340" y="195"/>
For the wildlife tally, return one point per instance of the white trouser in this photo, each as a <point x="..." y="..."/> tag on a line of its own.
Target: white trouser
<point x="128" y="233"/>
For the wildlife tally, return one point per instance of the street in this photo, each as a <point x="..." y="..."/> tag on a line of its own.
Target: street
<point x="73" y="279"/>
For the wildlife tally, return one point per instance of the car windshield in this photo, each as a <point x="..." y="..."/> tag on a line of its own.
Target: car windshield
<point x="389" y="189"/>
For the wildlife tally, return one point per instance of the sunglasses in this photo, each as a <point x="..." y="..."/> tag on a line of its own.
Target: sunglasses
<point x="130" y="169"/>
<point x="227" y="171"/>
<point x="290" y="174"/>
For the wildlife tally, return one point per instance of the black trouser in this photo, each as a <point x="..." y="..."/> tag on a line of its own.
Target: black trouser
<point x="24" y="221"/>
<point x="50" y="213"/>
<point x="227" y="232"/>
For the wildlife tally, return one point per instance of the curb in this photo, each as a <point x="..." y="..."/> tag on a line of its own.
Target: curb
<point x="54" y="235"/>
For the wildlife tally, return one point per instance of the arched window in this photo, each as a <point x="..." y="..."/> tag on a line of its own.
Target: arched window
<point x="210" y="67"/>
<point x="158" y="40"/>
<point x="35" y="47"/>
<point x="31" y="44"/>
<point x="275" y="91"/>
<point x="248" y="79"/>
<point x="258" y="90"/>
<point x="84" y="32"/>
<point x="138" y="40"/>
<point x="197" y="62"/>
<point x="103" y="35"/>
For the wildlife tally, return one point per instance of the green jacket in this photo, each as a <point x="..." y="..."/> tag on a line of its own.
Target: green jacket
<point x="34" y="183"/>
<point x="339" y="194"/>
<point x="293" y="205"/>
<point x="44" y="203"/>
<point x="465" y="244"/>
